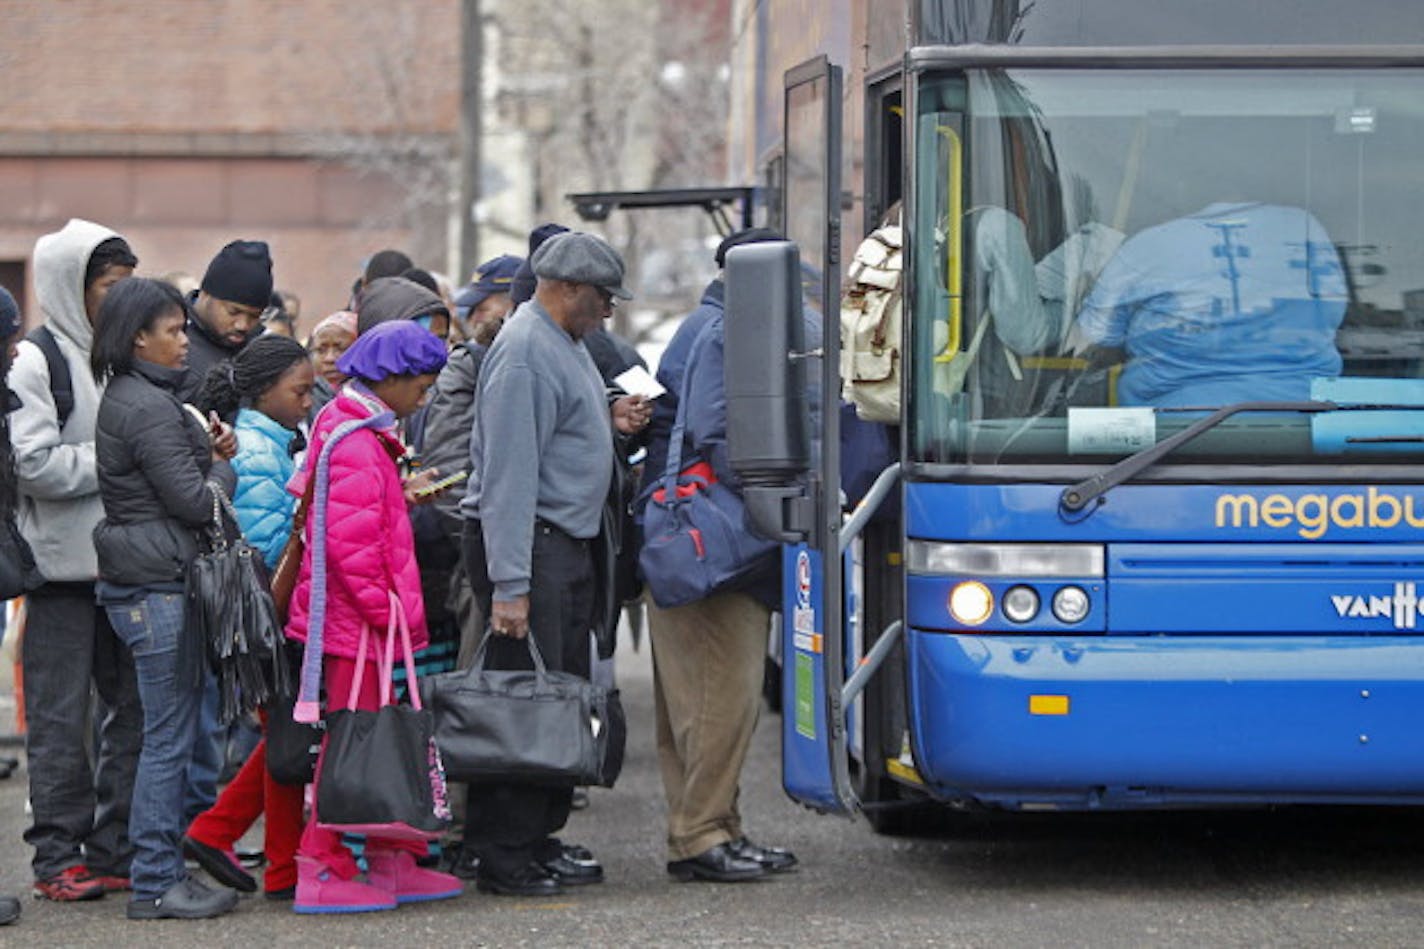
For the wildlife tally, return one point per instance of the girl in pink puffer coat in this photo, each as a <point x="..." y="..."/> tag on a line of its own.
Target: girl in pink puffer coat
<point x="370" y="550"/>
<point x="360" y="551"/>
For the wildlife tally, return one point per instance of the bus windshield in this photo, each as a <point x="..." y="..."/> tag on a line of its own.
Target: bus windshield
<point x="1101" y="256"/>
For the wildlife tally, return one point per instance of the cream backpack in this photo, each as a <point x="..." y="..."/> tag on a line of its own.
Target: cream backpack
<point x="870" y="327"/>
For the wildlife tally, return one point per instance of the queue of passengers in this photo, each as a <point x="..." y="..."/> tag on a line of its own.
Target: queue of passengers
<point x="133" y="396"/>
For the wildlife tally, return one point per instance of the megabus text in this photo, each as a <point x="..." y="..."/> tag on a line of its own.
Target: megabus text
<point x="1311" y="515"/>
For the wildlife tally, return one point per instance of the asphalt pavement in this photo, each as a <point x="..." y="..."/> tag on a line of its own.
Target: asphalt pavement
<point x="1314" y="877"/>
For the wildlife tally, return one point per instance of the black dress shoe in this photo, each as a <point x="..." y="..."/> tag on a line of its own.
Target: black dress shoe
<point x="574" y="866"/>
<point x="775" y="859"/>
<point x="9" y="910"/>
<point x="466" y="864"/>
<point x="718" y="865"/>
<point x="534" y="880"/>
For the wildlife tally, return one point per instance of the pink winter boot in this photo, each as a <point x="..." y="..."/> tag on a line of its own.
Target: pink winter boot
<point x="321" y="891"/>
<point x="395" y="873"/>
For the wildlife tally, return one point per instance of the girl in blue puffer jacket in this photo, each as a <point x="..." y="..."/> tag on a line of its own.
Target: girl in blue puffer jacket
<point x="269" y="385"/>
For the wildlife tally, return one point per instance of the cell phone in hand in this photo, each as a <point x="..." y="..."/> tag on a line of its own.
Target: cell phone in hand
<point x="435" y="487"/>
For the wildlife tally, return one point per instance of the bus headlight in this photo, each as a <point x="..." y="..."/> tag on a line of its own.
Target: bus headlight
<point x="1070" y="605"/>
<point x="971" y="603"/>
<point x="1020" y="604"/>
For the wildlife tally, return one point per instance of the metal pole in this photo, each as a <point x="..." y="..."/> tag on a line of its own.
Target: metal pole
<point x="468" y="139"/>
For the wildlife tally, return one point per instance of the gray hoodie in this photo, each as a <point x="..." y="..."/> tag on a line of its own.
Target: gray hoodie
<point x="59" y="481"/>
<point x="395" y="298"/>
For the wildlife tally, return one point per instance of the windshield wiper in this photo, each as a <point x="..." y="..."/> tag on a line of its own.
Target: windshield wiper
<point x="1075" y="497"/>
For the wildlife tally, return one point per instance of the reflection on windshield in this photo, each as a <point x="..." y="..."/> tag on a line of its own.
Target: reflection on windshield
<point x="1236" y="303"/>
<point x="1165" y="239"/>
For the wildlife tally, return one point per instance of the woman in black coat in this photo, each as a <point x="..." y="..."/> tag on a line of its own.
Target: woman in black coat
<point x="155" y="457"/>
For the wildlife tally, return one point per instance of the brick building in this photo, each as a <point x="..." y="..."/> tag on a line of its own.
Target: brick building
<point x="326" y="128"/>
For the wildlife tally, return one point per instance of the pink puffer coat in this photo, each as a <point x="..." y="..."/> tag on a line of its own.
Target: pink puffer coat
<point x="370" y="549"/>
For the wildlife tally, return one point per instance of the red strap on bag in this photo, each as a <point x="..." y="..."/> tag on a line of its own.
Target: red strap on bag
<point x="690" y="480"/>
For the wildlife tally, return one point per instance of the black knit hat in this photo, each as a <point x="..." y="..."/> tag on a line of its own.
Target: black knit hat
<point x="521" y="287"/>
<point x="241" y="273"/>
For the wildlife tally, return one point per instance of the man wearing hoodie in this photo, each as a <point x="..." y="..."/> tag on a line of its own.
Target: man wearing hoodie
<point x="396" y="298"/>
<point x="227" y="309"/>
<point x="80" y="826"/>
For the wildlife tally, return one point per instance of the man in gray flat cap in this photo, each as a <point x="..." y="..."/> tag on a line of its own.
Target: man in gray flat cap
<point x="541" y="459"/>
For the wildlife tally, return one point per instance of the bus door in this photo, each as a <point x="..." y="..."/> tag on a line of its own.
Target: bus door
<point x="814" y="761"/>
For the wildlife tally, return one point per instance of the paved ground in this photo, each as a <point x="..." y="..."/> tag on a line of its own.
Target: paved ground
<point x="1298" y="878"/>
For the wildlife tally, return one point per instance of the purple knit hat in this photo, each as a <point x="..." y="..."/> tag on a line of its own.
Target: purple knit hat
<point x="396" y="348"/>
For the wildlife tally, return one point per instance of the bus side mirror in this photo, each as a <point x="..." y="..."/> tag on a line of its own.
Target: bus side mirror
<point x="768" y="425"/>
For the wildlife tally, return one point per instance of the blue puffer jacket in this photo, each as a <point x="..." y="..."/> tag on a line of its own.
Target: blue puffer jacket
<point x="263" y="466"/>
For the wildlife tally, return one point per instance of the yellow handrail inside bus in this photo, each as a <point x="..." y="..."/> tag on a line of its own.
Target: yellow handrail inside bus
<point x="954" y="227"/>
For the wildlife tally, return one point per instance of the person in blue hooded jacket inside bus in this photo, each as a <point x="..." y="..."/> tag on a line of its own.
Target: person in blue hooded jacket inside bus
<point x="1237" y="302"/>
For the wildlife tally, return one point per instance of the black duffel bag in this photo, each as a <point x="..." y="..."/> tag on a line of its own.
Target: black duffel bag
<point x="525" y="726"/>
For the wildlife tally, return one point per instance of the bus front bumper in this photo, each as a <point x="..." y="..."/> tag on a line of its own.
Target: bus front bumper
<point x="1152" y="721"/>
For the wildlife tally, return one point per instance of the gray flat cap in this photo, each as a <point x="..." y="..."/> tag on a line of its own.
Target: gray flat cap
<point x="581" y="258"/>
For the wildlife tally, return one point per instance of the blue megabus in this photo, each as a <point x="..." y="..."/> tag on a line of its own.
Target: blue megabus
<point x="1149" y="531"/>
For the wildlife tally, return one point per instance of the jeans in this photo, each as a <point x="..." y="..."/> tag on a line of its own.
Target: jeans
<point x="169" y="661"/>
<point x="201" y="790"/>
<point x="510" y="825"/>
<point x="78" y="802"/>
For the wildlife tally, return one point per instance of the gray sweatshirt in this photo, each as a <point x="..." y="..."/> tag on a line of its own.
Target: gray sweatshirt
<point x="542" y="445"/>
<point x="59" y="480"/>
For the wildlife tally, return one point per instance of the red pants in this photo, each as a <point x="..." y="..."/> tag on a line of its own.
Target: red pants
<point x="250" y="794"/>
<point x="325" y="846"/>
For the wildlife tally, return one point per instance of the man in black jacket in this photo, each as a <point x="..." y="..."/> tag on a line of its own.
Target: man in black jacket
<point x="226" y="314"/>
<point x="227" y="309"/>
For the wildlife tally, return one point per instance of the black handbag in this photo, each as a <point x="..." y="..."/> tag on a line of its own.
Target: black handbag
<point x="292" y="746"/>
<point x="526" y="726"/>
<point x="229" y="606"/>
<point x="381" y="772"/>
<point x="18" y="573"/>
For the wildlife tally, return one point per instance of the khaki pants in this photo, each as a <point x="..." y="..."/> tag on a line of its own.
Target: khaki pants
<point x="708" y="659"/>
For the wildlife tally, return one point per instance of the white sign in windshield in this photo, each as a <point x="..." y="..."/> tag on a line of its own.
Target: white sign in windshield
<point x="1112" y="431"/>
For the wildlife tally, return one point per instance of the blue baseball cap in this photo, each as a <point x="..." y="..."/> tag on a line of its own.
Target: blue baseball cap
<point x="491" y="277"/>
